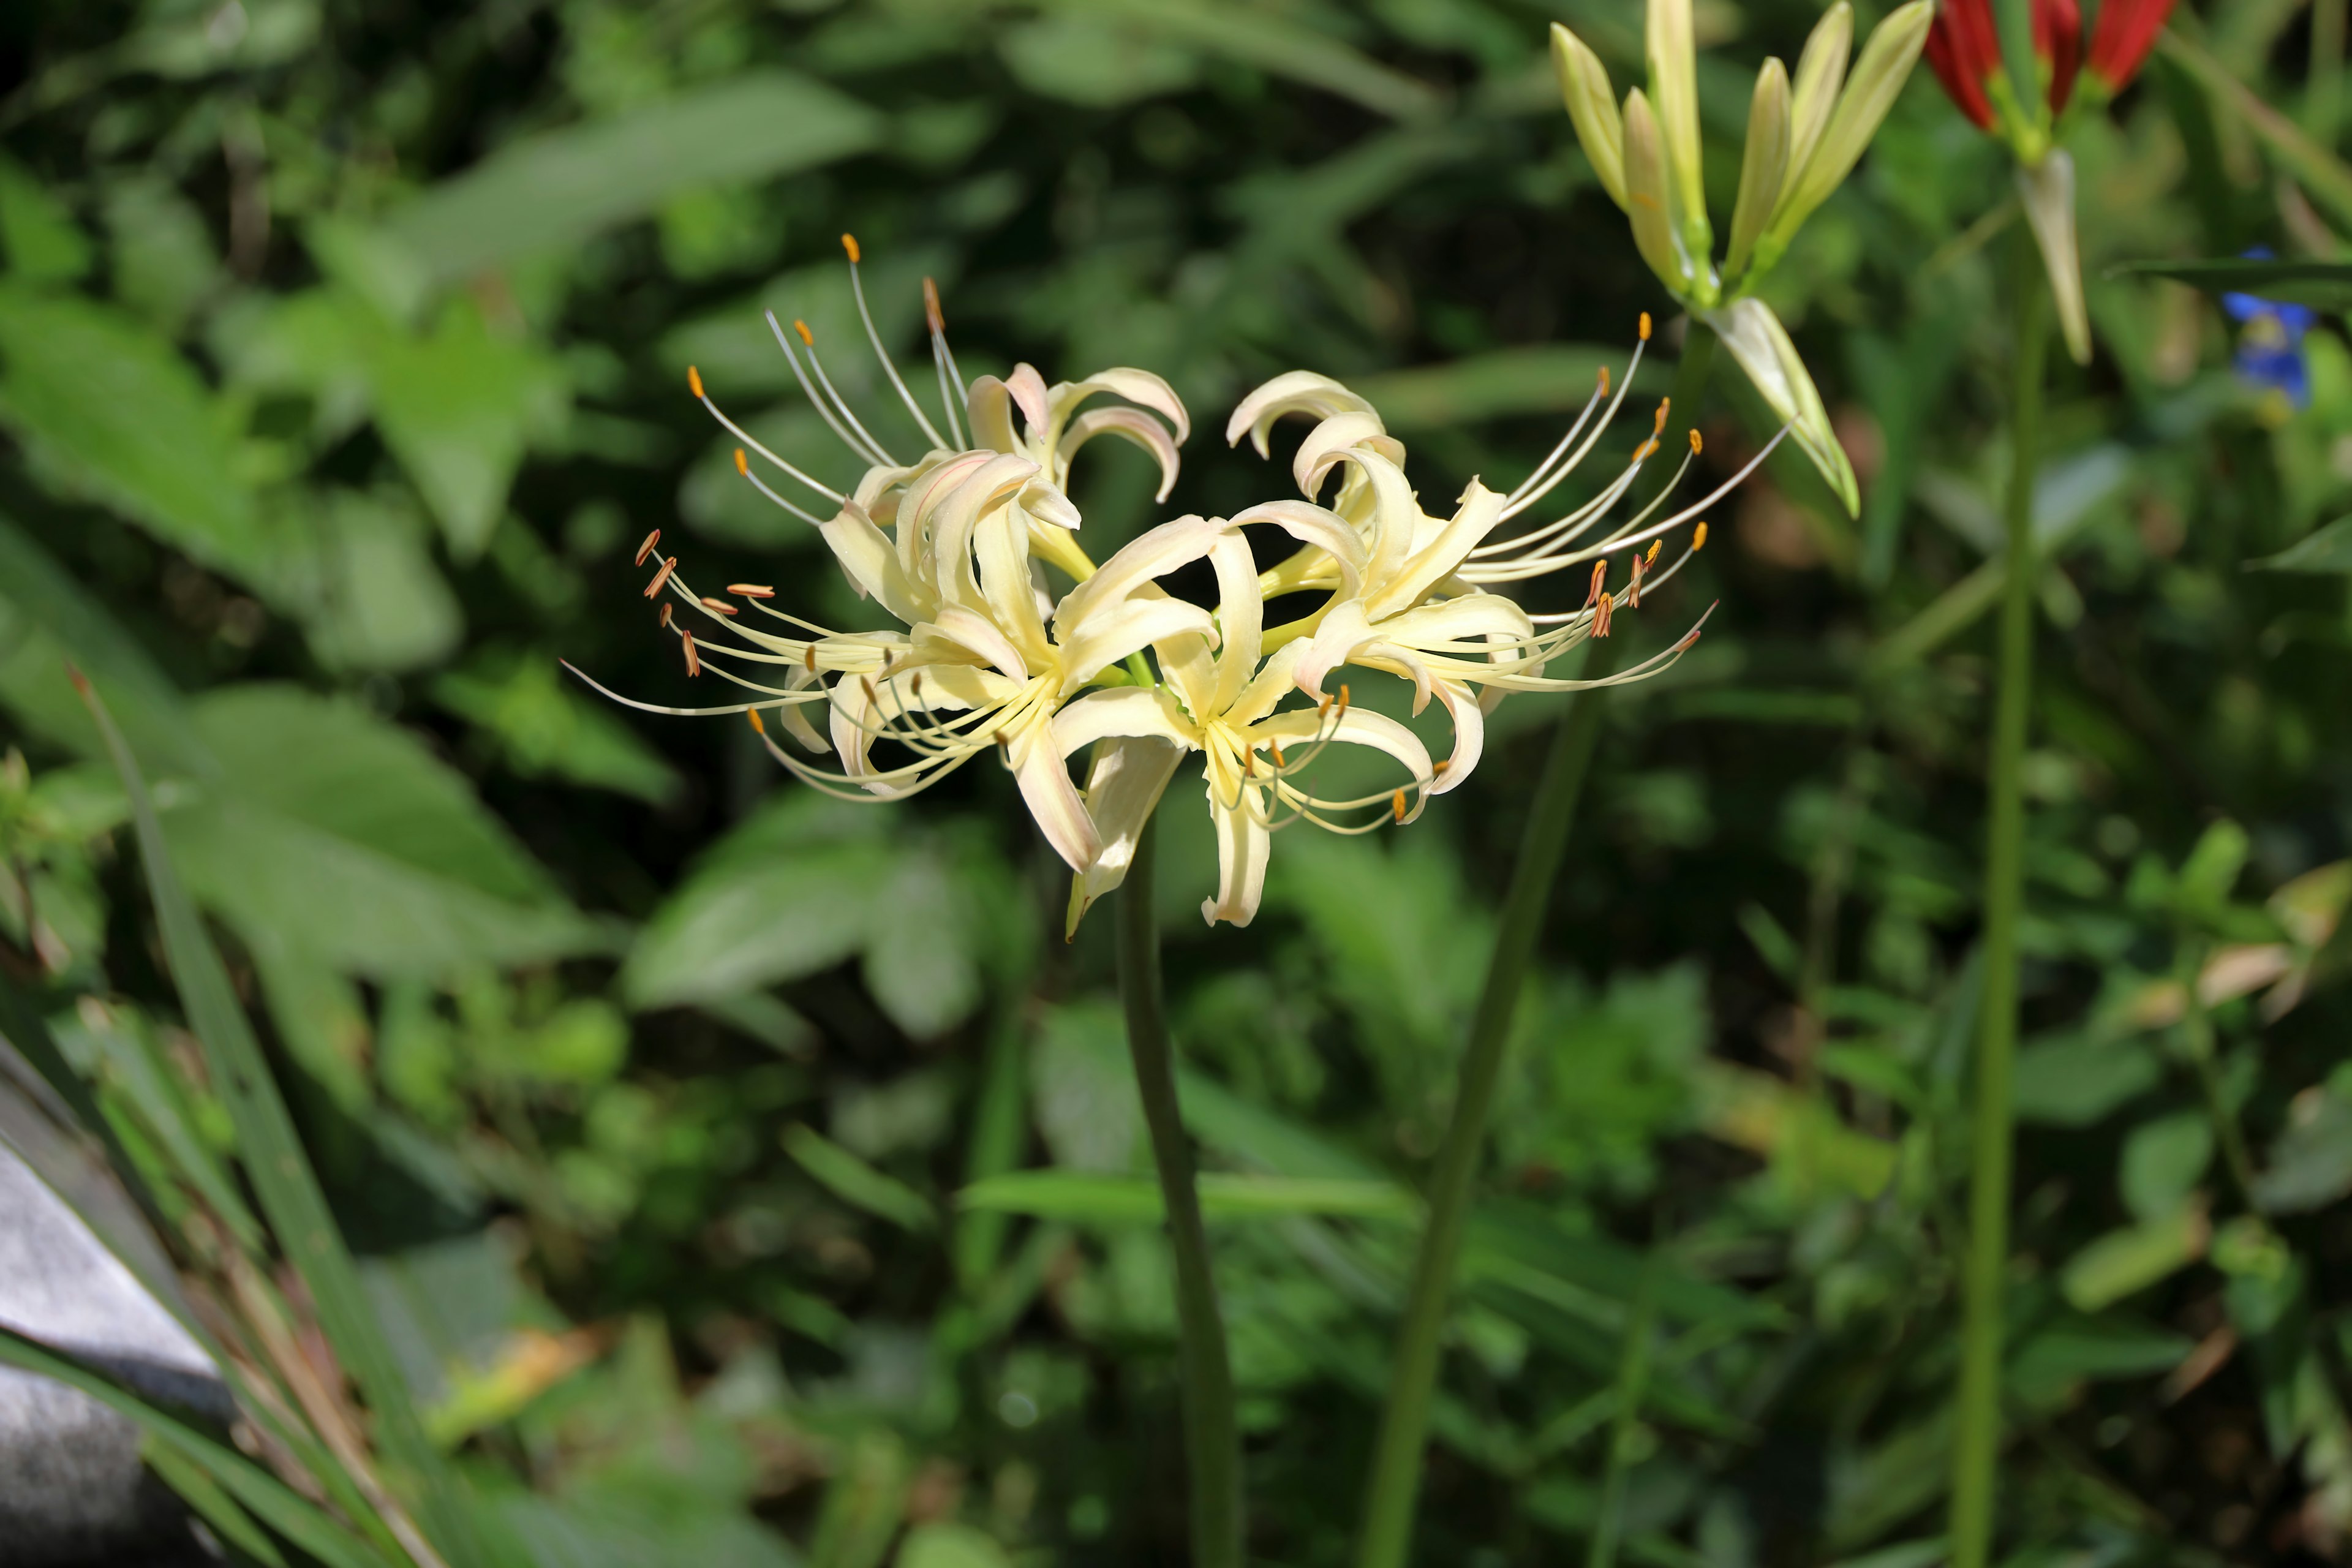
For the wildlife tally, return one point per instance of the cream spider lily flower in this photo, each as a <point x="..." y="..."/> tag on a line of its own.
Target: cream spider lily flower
<point x="1804" y="139"/>
<point x="1223" y="702"/>
<point x="952" y="546"/>
<point x="1410" y="592"/>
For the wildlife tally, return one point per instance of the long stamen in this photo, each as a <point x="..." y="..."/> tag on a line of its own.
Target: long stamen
<point x="1521" y="502"/>
<point x="864" y="451"/>
<point x="743" y="466"/>
<point x="943" y="361"/>
<point x="841" y="404"/>
<point x="857" y="287"/>
<point x="694" y="381"/>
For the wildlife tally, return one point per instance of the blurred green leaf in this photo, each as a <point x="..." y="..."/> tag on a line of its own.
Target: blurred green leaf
<point x="950" y="1546"/>
<point x="2163" y="1160"/>
<point x="544" y="727"/>
<point x="2326" y="285"/>
<point x="855" y="1181"/>
<point x="2309" y="1165"/>
<point x="1095" y="1197"/>
<point x="2325" y="549"/>
<point x="2124" y="1262"/>
<point x="116" y="413"/>
<point x="1551" y="378"/>
<point x="39" y="238"/>
<point x="1273" y="43"/>
<point x="2077" y="1081"/>
<point x="559" y="187"/>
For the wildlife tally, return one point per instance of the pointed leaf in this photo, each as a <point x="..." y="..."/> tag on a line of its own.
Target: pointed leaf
<point x="2047" y="191"/>
<point x="1757" y="339"/>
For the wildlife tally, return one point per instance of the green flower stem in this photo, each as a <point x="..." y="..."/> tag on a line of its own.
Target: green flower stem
<point x="1977" y="1442"/>
<point x="1212" y="1441"/>
<point x="1394" y="1488"/>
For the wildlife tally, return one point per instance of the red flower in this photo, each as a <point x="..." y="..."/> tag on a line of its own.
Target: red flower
<point x="2125" y="31"/>
<point x="1963" y="48"/>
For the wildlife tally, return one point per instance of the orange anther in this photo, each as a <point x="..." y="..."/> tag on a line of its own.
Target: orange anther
<point x="647" y="547"/>
<point x="1441" y="764"/>
<point x="1658" y="425"/>
<point x="849" y="244"/>
<point x="751" y="589"/>
<point x="802" y="328"/>
<point x="1645" y="326"/>
<point x="743" y="463"/>
<point x="810" y="659"/>
<point x="1601" y="616"/>
<point x="1651" y="559"/>
<point x="694" y="380"/>
<point x="931" y="307"/>
<point x="1396" y="804"/>
<point x="693" y="665"/>
<point x="1604" y="380"/>
<point x="1600" y="577"/>
<point x="667" y="608"/>
<point x="753" y="715"/>
<point x="716" y="607"/>
<point x="1696" y="445"/>
<point x="661" y="576"/>
<point x="1343" y="697"/>
<point x="1698" y="537"/>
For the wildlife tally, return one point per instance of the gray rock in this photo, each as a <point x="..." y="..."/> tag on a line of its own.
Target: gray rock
<point x="72" y="1489"/>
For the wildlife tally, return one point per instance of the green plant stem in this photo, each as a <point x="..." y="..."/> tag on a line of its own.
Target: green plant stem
<point x="1977" y="1442"/>
<point x="1393" y="1490"/>
<point x="2323" y="97"/>
<point x="1212" y="1441"/>
<point x="1624" y="1433"/>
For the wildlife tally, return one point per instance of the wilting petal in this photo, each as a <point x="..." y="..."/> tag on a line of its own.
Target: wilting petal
<point x="1242" y="846"/>
<point x="1755" y="337"/>
<point x="1124" y="784"/>
<point x="2047" y="191"/>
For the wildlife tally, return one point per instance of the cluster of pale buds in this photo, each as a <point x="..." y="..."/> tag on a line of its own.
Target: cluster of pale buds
<point x="963" y="546"/>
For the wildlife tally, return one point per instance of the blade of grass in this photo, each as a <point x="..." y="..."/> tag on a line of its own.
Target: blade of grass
<point x="267" y="1499"/>
<point x="212" y="1503"/>
<point x="280" y="1171"/>
<point x="855" y="1181"/>
<point x="2322" y="174"/>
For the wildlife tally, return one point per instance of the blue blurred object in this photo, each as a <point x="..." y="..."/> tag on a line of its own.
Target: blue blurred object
<point x="2269" y="349"/>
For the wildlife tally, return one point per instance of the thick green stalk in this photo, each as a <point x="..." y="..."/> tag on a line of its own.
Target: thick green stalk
<point x="1394" y="1488"/>
<point x="1977" y="1441"/>
<point x="1211" y="1441"/>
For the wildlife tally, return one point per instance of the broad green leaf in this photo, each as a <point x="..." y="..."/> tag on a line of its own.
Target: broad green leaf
<point x="281" y="1174"/>
<point x="458" y="407"/>
<point x="373" y="598"/>
<point x="329" y="763"/>
<point x="1106" y="1199"/>
<point x="740" y="925"/>
<point x="1100" y="62"/>
<point x="112" y="410"/>
<point x="559" y="187"/>
<point x="855" y="1181"/>
<point x="2123" y="1262"/>
<point x="164" y="262"/>
<point x="2327" y="549"/>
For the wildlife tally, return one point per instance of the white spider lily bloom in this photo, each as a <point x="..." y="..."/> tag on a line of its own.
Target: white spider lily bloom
<point x="1222" y="701"/>
<point x="1408" y="589"/>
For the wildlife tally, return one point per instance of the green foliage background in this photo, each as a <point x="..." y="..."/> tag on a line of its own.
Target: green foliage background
<point x="343" y="357"/>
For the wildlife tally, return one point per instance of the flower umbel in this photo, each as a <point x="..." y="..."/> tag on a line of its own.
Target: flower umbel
<point x="1805" y="134"/>
<point x="959" y="547"/>
<point x="1963" y="49"/>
